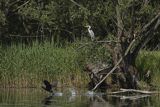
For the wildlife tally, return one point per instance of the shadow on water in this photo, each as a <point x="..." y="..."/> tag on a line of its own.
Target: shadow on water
<point x="39" y="98"/>
<point x="47" y="100"/>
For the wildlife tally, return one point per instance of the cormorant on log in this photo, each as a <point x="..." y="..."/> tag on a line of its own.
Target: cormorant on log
<point x="48" y="86"/>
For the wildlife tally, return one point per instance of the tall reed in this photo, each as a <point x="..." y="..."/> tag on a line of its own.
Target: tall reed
<point x="27" y="66"/>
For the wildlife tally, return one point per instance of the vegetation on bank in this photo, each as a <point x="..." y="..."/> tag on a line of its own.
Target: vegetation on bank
<point x="25" y="66"/>
<point x="149" y="60"/>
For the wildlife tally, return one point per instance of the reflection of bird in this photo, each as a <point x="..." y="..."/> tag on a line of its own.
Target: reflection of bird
<point x="72" y="91"/>
<point x="73" y="94"/>
<point x="58" y="94"/>
<point x="47" y="100"/>
<point x="90" y="93"/>
<point x="91" y="33"/>
<point x="48" y="86"/>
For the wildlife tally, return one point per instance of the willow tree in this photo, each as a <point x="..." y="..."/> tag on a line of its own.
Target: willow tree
<point x="133" y="32"/>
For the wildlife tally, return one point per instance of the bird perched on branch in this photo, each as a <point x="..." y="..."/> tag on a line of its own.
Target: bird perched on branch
<point x="91" y="33"/>
<point x="48" y="86"/>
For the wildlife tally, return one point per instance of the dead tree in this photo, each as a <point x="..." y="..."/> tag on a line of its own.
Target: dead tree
<point x="128" y="46"/>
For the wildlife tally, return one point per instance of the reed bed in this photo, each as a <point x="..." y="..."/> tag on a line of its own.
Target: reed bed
<point x="27" y="66"/>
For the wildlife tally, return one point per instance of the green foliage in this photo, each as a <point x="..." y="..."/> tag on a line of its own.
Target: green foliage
<point x="30" y="10"/>
<point x="65" y="20"/>
<point x="61" y="17"/>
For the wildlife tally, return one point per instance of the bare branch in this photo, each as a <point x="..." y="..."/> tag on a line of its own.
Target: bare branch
<point x="145" y="35"/>
<point x="78" y="4"/>
<point x="11" y="4"/>
<point x="21" y="5"/>
<point x="150" y="23"/>
<point x="133" y="19"/>
<point x="106" y="41"/>
<point x="24" y="36"/>
<point x="119" y="22"/>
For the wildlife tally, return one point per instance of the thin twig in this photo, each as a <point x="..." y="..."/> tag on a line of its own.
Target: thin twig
<point x="78" y="4"/>
<point x="151" y="22"/>
<point x="21" y="5"/>
<point x="24" y="36"/>
<point x="82" y="46"/>
<point x="85" y="44"/>
<point x="14" y="2"/>
<point x="106" y="41"/>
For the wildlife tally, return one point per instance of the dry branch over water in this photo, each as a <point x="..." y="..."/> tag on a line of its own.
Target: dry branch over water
<point x="134" y="91"/>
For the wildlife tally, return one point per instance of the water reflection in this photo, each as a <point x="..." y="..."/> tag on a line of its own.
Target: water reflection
<point x="47" y="100"/>
<point x="38" y="98"/>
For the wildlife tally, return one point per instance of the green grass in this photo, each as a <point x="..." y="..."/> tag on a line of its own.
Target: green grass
<point x="149" y="60"/>
<point x="33" y="64"/>
<point x="27" y="66"/>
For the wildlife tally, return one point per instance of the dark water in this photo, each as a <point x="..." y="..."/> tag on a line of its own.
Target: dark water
<point x="39" y="98"/>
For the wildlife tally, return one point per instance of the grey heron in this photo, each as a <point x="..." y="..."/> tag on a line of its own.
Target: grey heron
<point x="91" y="33"/>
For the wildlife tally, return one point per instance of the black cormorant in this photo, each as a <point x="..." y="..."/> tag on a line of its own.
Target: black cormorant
<point x="48" y="86"/>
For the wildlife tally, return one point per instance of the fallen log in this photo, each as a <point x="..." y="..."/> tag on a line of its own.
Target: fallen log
<point x="140" y="91"/>
<point x="135" y="91"/>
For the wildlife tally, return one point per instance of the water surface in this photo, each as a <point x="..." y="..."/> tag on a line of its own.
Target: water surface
<point x="39" y="98"/>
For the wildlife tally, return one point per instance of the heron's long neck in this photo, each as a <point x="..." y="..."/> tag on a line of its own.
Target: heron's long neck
<point x="89" y="28"/>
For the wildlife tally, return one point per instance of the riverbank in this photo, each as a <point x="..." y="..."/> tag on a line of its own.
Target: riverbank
<point x="27" y="66"/>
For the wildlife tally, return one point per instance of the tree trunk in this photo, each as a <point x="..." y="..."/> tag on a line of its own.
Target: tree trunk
<point x="127" y="48"/>
<point x="126" y="71"/>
